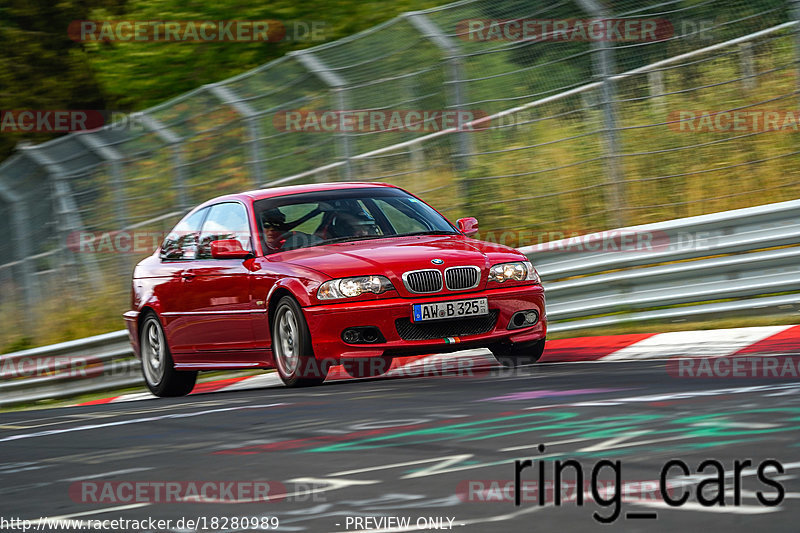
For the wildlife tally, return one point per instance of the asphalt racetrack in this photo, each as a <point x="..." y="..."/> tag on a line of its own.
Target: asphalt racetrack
<point x="421" y="453"/>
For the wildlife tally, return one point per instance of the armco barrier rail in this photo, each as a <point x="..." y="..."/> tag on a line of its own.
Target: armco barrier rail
<point x="68" y="369"/>
<point x="746" y="260"/>
<point x="750" y="256"/>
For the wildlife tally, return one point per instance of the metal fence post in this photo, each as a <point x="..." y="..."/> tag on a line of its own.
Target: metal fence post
<point x="68" y="212"/>
<point x="416" y="153"/>
<point x="22" y="234"/>
<point x="338" y="88"/>
<point x="457" y="94"/>
<point x="20" y="230"/>
<point x="175" y="143"/>
<point x="794" y="12"/>
<point x="748" y="66"/>
<point x="114" y="161"/>
<point x="655" y="79"/>
<point x="605" y="69"/>
<point x="227" y="96"/>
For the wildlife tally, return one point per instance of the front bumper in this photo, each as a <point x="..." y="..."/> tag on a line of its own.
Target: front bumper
<point x="326" y="323"/>
<point x="132" y="324"/>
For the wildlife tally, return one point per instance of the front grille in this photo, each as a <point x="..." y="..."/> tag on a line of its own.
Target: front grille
<point x="462" y="278"/>
<point x="460" y="327"/>
<point x="422" y="281"/>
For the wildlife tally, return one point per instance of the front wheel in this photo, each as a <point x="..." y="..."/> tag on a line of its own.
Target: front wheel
<point x="158" y="368"/>
<point x="291" y="347"/>
<point x="514" y="355"/>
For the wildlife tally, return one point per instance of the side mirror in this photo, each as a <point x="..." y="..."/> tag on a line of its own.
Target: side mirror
<point x="228" y="249"/>
<point x="468" y="226"/>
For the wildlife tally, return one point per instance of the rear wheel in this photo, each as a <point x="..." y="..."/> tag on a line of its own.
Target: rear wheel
<point x="367" y="367"/>
<point x="513" y="355"/>
<point x="157" y="366"/>
<point x="291" y="347"/>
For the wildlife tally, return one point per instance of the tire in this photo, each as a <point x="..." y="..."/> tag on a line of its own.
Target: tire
<point x="514" y="355"/>
<point x="368" y="367"/>
<point x="292" y="349"/>
<point x="158" y="368"/>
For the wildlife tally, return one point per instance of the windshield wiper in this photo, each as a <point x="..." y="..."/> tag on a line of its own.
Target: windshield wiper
<point x="369" y="237"/>
<point x="351" y="238"/>
<point x="430" y="232"/>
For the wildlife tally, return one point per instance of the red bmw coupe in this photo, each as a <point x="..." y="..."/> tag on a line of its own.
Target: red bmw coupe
<point x="302" y="278"/>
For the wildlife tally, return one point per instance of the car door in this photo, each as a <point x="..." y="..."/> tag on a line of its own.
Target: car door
<point x="217" y="292"/>
<point x="177" y="252"/>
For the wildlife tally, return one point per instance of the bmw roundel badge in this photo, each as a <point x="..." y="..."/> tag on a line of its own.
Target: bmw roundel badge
<point x="437" y="261"/>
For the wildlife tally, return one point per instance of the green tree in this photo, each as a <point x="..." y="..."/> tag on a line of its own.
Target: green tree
<point x="40" y="67"/>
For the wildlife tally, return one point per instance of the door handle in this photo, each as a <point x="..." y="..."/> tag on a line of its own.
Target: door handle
<point x="188" y="275"/>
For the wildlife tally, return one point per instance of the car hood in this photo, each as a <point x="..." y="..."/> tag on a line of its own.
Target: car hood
<point x="392" y="257"/>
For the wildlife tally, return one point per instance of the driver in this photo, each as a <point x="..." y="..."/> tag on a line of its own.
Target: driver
<point x="359" y="224"/>
<point x="274" y="223"/>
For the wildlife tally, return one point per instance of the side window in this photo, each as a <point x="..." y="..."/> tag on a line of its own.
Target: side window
<point x="225" y="221"/>
<point x="181" y="243"/>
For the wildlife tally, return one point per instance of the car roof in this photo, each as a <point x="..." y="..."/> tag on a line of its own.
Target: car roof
<point x="260" y="194"/>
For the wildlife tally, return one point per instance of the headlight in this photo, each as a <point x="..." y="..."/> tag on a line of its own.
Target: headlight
<point x="517" y="271"/>
<point x="351" y="287"/>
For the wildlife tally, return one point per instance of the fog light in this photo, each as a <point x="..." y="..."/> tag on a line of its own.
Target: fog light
<point x="351" y="336"/>
<point x="363" y="335"/>
<point x="524" y="319"/>
<point x="370" y="335"/>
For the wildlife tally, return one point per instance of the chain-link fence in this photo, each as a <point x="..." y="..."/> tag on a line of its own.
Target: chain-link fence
<point x="576" y="116"/>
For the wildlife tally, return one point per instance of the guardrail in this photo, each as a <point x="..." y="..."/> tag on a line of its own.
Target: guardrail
<point x="718" y="264"/>
<point x="687" y="265"/>
<point x="69" y="369"/>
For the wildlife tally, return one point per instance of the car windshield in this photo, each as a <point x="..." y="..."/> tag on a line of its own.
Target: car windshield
<point x="326" y="217"/>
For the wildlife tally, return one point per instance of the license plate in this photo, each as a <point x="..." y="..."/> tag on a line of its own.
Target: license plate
<point x="452" y="309"/>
